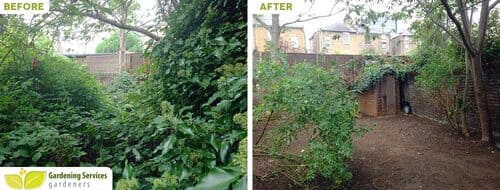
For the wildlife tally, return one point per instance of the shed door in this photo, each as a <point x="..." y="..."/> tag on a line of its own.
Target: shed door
<point x="388" y="96"/>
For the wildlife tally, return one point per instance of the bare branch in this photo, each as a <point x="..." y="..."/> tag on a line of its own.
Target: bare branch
<point x="312" y="18"/>
<point x="97" y="16"/>
<point x="261" y="22"/>
<point x="483" y="21"/>
<point x="493" y="5"/>
<point x="466" y="41"/>
<point x="447" y="31"/>
<point x="465" y="18"/>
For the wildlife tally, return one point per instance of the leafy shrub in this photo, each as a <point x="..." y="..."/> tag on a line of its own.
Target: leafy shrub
<point x="308" y="97"/>
<point x="180" y="123"/>
<point x="373" y="73"/>
<point x="127" y="184"/>
<point x="47" y="104"/>
<point x="204" y="36"/>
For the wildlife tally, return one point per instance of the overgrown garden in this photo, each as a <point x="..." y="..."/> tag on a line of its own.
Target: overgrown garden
<point x="179" y="124"/>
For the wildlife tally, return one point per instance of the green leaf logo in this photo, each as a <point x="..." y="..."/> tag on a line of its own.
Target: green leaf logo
<point x="32" y="180"/>
<point x="14" y="181"/>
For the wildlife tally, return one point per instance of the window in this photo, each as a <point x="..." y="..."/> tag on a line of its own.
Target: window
<point x="294" y="42"/>
<point x="407" y="47"/>
<point x="368" y="39"/>
<point x="328" y="42"/>
<point x="406" y="39"/>
<point x="345" y="36"/>
<point x="384" y="47"/>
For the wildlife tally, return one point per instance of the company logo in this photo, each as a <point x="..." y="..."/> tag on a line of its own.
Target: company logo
<point x="24" y="6"/>
<point x="56" y="178"/>
<point x="25" y="179"/>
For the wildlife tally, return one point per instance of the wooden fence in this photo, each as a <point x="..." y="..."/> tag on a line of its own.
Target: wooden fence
<point x="105" y="66"/>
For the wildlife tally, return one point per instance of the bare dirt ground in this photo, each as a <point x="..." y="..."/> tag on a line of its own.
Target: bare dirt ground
<point x="404" y="152"/>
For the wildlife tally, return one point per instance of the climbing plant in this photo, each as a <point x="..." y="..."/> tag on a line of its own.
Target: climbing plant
<point x="373" y="70"/>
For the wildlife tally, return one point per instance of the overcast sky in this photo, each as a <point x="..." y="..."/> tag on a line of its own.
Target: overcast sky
<point x="146" y="12"/>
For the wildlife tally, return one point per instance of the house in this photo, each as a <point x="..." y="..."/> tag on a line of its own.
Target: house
<point x="292" y="38"/>
<point x="344" y="38"/>
<point x="402" y="44"/>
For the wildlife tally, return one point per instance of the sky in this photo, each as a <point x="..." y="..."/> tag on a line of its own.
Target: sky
<point x="146" y="12"/>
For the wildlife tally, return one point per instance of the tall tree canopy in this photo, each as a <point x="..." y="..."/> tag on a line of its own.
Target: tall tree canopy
<point x="111" y="44"/>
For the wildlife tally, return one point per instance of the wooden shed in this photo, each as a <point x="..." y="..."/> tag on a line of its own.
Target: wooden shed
<point x="383" y="99"/>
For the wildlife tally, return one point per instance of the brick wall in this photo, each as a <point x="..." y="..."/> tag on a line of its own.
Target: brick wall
<point x="423" y="105"/>
<point x="492" y="82"/>
<point x="324" y="60"/>
<point x="420" y="101"/>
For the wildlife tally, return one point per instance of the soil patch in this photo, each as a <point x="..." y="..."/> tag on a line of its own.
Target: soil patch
<point x="403" y="152"/>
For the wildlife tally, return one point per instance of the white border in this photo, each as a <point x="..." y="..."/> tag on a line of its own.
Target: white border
<point x="250" y="5"/>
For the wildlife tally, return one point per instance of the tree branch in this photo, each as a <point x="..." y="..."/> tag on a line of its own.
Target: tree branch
<point x="312" y="18"/>
<point x="261" y="22"/>
<point x="450" y="14"/>
<point x="447" y="31"/>
<point x="97" y="16"/>
<point x="464" y="17"/>
<point x="483" y="21"/>
<point x="493" y="5"/>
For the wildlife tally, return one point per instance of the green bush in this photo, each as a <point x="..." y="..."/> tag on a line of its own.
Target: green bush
<point x="49" y="105"/>
<point x="308" y="97"/>
<point x="180" y="123"/>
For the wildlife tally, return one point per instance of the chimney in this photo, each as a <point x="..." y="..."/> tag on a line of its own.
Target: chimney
<point x="347" y="20"/>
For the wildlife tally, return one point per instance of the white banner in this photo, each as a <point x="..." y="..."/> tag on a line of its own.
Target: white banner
<point x="56" y="178"/>
<point x="24" y="6"/>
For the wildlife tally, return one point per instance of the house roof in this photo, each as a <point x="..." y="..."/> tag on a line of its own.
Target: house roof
<point x="405" y="33"/>
<point x="341" y="27"/>
<point x="338" y="27"/>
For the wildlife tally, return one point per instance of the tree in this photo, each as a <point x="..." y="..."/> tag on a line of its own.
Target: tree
<point x="275" y="28"/>
<point x="116" y="13"/>
<point x="472" y="43"/>
<point x="111" y="44"/>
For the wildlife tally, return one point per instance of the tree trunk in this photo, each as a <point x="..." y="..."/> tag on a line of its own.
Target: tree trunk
<point x="481" y="99"/>
<point x="275" y="30"/>
<point x="122" y="64"/>
<point x="275" y="34"/>
<point x="121" y="52"/>
<point x="465" y="92"/>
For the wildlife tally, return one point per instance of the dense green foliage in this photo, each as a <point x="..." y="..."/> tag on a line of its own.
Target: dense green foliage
<point x="47" y="104"/>
<point x="438" y="58"/>
<point x="372" y="73"/>
<point x="307" y="97"/>
<point x="205" y="38"/>
<point x="184" y="126"/>
<point x="112" y="43"/>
